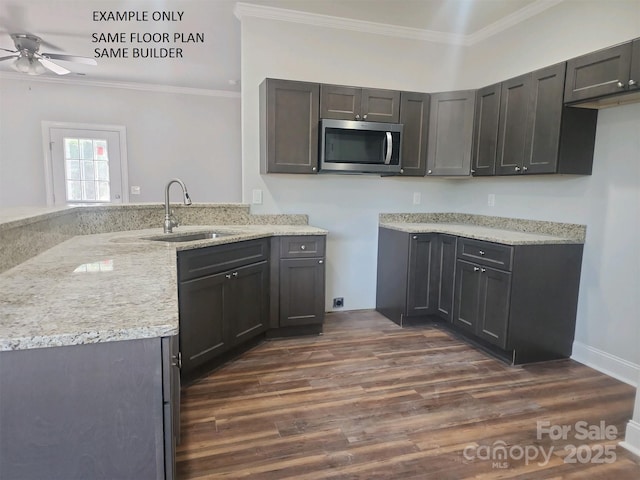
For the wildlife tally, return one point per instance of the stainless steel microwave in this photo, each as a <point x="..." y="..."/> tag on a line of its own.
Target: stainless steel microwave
<point x="360" y="147"/>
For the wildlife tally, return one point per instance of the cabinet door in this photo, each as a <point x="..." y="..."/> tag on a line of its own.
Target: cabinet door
<point x="485" y="135"/>
<point x="289" y="126"/>
<point x="445" y="268"/>
<point x="414" y="115"/>
<point x="202" y="328"/>
<point x="450" y="133"/>
<point x="301" y="291"/>
<point x="495" y="294"/>
<point x="340" y="102"/>
<point x="634" y="75"/>
<point x="514" y="121"/>
<point x="543" y="141"/>
<point x="467" y="295"/>
<point x="421" y="286"/>
<point x="597" y="74"/>
<point x="248" y="297"/>
<point x="380" y="105"/>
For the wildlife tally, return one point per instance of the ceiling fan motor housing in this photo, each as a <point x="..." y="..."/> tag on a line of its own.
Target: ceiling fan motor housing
<point x="28" y="43"/>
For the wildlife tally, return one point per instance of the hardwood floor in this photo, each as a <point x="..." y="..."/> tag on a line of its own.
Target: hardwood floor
<point x="369" y="400"/>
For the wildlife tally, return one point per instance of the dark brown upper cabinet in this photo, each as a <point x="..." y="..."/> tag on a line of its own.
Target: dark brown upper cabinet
<point x="414" y="115"/>
<point x="536" y="133"/>
<point x="450" y="133"/>
<point x="289" y="116"/>
<point x="485" y="133"/>
<point x="611" y="71"/>
<point x="354" y="103"/>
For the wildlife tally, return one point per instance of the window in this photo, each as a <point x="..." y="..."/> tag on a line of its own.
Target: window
<point x="85" y="163"/>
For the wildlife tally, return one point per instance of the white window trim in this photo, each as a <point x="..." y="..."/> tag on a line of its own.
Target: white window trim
<point x="48" y="162"/>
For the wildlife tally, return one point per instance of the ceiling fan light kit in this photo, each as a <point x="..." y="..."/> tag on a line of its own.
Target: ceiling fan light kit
<point x="29" y="65"/>
<point x="29" y="60"/>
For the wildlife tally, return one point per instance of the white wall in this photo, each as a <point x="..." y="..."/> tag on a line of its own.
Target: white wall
<point x="194" y="137"/>
<point x="607" y="202"/>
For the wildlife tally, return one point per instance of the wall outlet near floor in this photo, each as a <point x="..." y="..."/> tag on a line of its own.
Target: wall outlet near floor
<point x="491" y="200"/>
<point x="135" y="190"/>
<point x="338" y="302"/>
<point x="417" y="198"/>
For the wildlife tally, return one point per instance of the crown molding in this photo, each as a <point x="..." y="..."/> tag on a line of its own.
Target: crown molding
<point x="511" y="20"/>
<point x="244" y="10"/>
<point x="145" y="87"/>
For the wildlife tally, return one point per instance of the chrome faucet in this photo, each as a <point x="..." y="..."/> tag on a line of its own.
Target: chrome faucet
<point x="169" y="220"/>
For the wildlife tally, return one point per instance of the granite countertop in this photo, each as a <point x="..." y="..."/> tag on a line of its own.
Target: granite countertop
<point x="105" y="287"/>
<point x="479" y="232"/>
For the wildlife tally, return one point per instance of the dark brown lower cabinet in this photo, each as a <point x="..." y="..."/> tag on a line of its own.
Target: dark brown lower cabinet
<point x="297" y="284"/>
<point x="482" y="301"/>
<point x="103" y="410"/>
<point x="415" y="274"/>
<point x="301" y="291"/>
<point x="226" y="306"/>
<point x="517" y="301"/>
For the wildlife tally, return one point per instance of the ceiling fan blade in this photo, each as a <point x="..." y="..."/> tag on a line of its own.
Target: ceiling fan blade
<point x="52" y="66"/>
<point x="8" y="57"/>
<point x="70" y="58"/>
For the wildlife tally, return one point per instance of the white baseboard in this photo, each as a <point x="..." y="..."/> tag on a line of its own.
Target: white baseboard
<point x="632" y="438"/>
<point x="606" y="363"/>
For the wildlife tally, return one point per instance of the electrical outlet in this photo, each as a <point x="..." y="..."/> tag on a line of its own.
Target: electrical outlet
<point x="417" y="198"/>
<point x="491" y="200"/>
<point x="135" y="190"/>
<point x="338" y="302"/>
<point x="257" y="196"/>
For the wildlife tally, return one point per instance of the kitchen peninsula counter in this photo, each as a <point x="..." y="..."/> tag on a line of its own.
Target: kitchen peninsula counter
<point x="111" y="286"/>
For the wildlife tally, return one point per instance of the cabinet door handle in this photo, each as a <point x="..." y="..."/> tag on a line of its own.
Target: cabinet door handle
<point x="429" y="172"/>
<point x="620" y="85"/>
<point x="313" y="169"/>
<point x="235" y="274"/>
<point x="177" y="360"/>
<point x="320" y="262"/>
<point x="517" y="169"/>
<point x="302" y="247"/>
<point x="483" y="270"/>
<point x="357" y="117"/>
<point x="227" y="276"/>
<point x="415" y="237"/>
<point x="364" y="117"/>
<point x="476" y="269"/>
<point x="481" y="252"/>
<point x="524" y="169"/>
<point x="632" y="83"/>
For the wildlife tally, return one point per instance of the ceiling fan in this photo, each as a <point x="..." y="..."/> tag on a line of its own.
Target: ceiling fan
<point x="29" y="60"/>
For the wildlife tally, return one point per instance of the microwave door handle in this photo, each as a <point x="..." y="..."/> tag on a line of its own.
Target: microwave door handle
<point x="387" y="158"/>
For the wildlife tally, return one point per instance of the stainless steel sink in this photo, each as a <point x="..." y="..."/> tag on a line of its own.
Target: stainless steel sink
<point x="188" y="237"/>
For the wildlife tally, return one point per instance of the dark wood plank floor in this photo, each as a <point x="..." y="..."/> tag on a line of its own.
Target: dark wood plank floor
<point x="369" y="400"/>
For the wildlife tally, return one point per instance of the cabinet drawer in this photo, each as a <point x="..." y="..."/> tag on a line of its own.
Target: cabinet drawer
<point x="218" y="258"/>
<point x="485" y="253"/>
<point x="302" y="246"/>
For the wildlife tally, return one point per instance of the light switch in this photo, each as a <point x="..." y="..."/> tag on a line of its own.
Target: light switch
<point x="491" y="200"/>
<point x="257" y="196"/>
<point x="417" y="198"/>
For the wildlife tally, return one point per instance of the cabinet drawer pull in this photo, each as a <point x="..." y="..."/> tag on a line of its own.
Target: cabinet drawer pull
<point x="235" y="274"/>
<point x="483" y="270"/>
<point x="302" y="247"/>
<point x="524" y="169"/>
<point x="415" y="237"/>
<point x="357" y="117"/>
<point x="632" y="82"/>
<point x="620" y="85"/>
<point x="320" y="262"/>
<point x="476" y="269"/>
<point x="482" y="253"/>
<point x="227" y="276"/>
<point x="517" y="169"/>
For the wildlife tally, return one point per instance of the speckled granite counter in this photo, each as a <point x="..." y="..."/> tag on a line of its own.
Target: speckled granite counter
<point x="109" y="286"/>
<point x="510" y="231"/>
